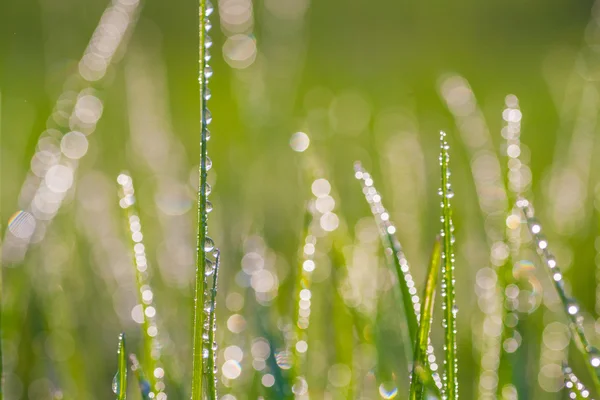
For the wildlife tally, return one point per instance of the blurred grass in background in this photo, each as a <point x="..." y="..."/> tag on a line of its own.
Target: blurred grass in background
<point x="365" y="80"/>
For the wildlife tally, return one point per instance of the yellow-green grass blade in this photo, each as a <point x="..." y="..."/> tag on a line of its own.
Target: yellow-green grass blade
<point x="420" y="365"/>
<point x="120" y="381"/>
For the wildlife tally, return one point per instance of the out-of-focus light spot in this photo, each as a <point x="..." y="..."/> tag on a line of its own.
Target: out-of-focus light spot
<point x="284" y="359"/>
<point x="233" y="353"/>
<point x="22" y="224"/>
<point x="263" y="281"/>
<point x="240" y="51"/>
<point x="260" y="349"/>
<point x="236" y="323"/>
<point x="299" y="142"/>
<point x="59" y="178"/>
<point x="308" y="265"/>
<point x="231" y="369"/>
<point x="252" y="262"/>
<point x="321" y="187"/>
<point x="150" y="312"/>
<point x="556" y="336"/>
<point x="88" y="109"/>
<point x="159" y="373"/>
<point x="234" y="301"/>
<point x="388" y="390"/>
<point x="74" y="145"/>
<point x="550" y="378"/>
<point x="301" y="346"/>
<point x="268" y="380"/>
<point x="329" y="221"/>
<point x="137" y="314"/>
<point x="339" y="375"/>
<point x="325" y="204"/>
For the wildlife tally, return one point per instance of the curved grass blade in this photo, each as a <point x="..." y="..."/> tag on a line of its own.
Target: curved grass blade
<point x="576" y="389"/>
<point x="203" y="265"/>
<point x="120" y="380"/>
<point x="570" y="306"/>
<point x="449" y="304"/>
<point x="422" y="342"/>
<point x="393" y="248"/>
<point x="150" y="333"/>
<point x="138" y="372"/>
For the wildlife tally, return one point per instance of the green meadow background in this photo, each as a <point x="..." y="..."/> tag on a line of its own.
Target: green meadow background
<point x="362" y="79"/>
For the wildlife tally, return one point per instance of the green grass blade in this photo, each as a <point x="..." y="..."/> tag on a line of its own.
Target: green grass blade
<point x="146" y="296"/>
<point x="120" y="381"/>
<point x="138" y="372"/>
<point x="448" y="294"/>
<point x="422" y="342"/>
<point x="576" y="389"/>
<point x="198" y="356"/>
<point x="410" y="301"/>
<point x="590" y="354"/>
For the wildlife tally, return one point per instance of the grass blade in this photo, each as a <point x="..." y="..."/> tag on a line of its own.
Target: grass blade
<point x="576" y="389"/>
<point x="151" y="353"/>
<point x="203" y="265"/>
<point x="211" y="367"/>
<point x="422" y="342"/>
<point x="408" y="291"/>
<point x="449" y="306"/>
<point x="138" y="372"/>
<point x="590" y="354"/>
<point x="120" y="381"/>
<point x="410" y="301"/>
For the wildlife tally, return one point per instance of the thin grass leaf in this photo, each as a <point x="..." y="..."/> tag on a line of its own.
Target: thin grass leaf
<point x="422" y="343"/>
<point x="211" y="368"/>
<point x="120" y="380"/>
<point x="393" y="248"/>
<point x="204" y="243"/>
<point x="146" y="296"/>
<point x="449" y="305"/>
<point x="138" y="372"/>
<point x="590" y="354"/>
<point x="410" y="301"/>
<point x="574" y="386"/>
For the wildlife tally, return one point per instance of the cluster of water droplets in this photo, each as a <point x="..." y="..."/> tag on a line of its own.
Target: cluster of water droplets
<point x="116" y="383"/>
<point x="394" y="248"/>
<point x="449" y="307"/>
<point x="570" y="306"/>
<point x="127" y="202"/>
<point x="574" y="386"/>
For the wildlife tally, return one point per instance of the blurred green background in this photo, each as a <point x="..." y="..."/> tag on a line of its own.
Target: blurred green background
<point x="363" y="79"/>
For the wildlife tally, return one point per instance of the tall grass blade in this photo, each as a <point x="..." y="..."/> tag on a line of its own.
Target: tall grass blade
<point x="151" y="345"/>
<point x="204" y="243"/>
<point x="449" y="302"/>
<point x="422" y="342"/>
<point x="574" y="386"/>
<point x="590" y="354"/>
<point x="120" y="381"/>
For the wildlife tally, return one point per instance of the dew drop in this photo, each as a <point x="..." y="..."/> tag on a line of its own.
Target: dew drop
<point x="209" y="8"/>
<point x="454" y="309"/>
<point x="208" y="163"/>
<point x="207" y="117"/>
<point x="204" y="353"/>
<point x="208" y="71"/>
<point x="208" y="42"/>
<point x="449" y="193"/>
<point x="572" y="308"/>
<point x="209" y="267"/>
<point x="207" y="94"/>
<point x="207" y="24"/>
<point x="207" y="56"/>
<point x="207" y="189"/>
<point x="388" y="390"/>
<point x="594" y="357"/>
<point x="115" y="384"/>
<point x="209" y="244"/>
<point x="209" y="206"/>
